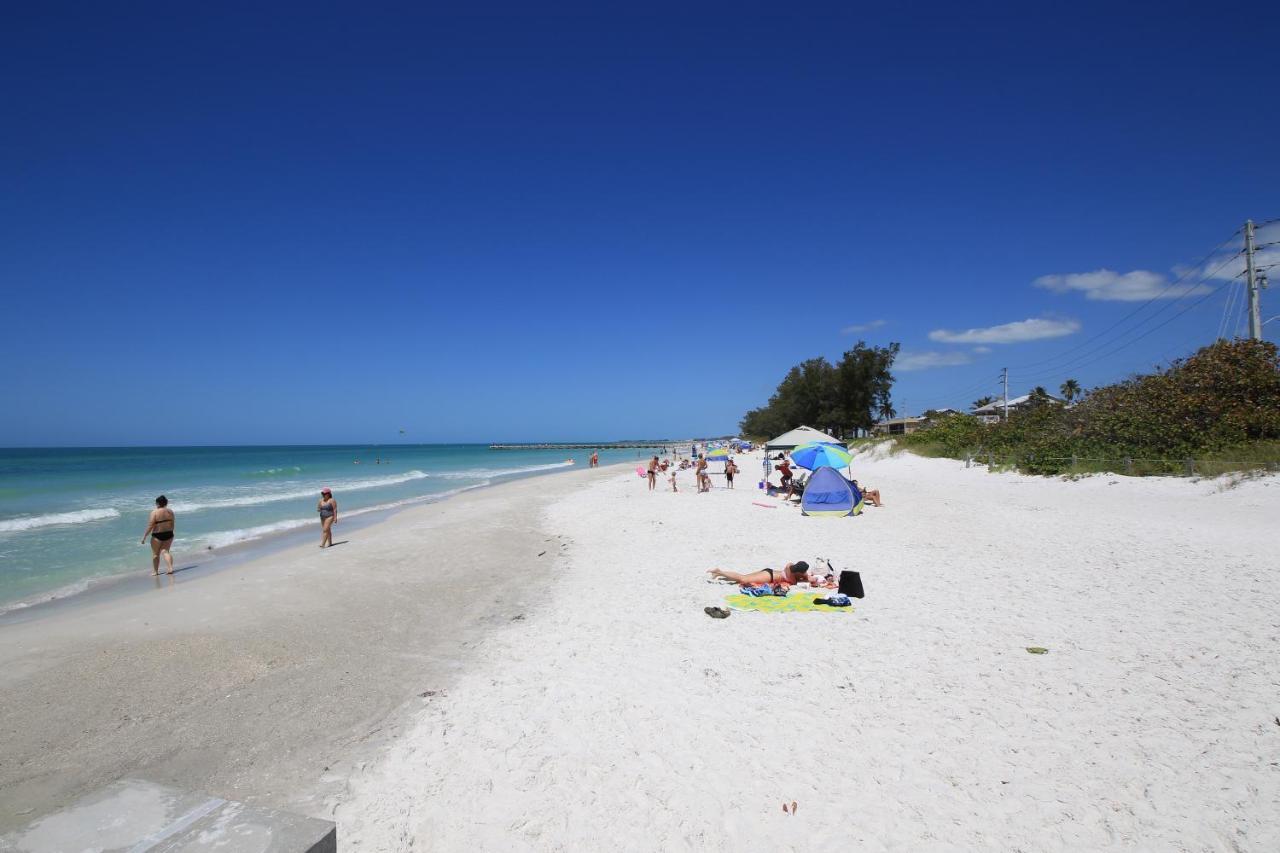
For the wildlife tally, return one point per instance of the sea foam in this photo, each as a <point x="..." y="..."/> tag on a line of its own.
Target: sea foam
<point x="31" y="522"/>
<point x="223" y="538"/>
<point x="479" y="473"/>
<point x="255" y="498"/>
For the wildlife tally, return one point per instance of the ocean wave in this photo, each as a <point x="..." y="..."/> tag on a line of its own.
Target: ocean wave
<point x="481" y="473"/>
<point x="255" y="498"/>
<point x="223" y="538"/>
<point x="52" y="595"/>
<point x="31" y="522"/>
<point x="276" y="472"/>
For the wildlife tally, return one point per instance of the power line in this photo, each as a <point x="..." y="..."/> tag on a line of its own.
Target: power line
<point x="1244" y="318"/>
<point x="1199" y="265"/>
<point x="1228" y="306"/>
<point x="1133" y="341"/>
<point x="1074" y="363"/>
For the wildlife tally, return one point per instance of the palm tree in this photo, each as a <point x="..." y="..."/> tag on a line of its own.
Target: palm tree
<point x="1070" y="389"/>
<point x="983" y="401"/>
<point x="886" y="409"/>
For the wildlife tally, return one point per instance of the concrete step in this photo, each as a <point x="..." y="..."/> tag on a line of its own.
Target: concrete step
<point x="136" y="816"/>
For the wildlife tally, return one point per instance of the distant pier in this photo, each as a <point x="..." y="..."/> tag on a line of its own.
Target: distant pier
<point x="603" y="445"/>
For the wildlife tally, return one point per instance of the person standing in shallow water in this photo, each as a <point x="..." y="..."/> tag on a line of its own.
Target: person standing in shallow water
<point x="328" y="509"/>
<point x="160" y="528"/>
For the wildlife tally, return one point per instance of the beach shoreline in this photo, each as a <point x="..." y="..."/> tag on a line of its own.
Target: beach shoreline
<point x="132" y="582"/>
<point x="258" y="681"/>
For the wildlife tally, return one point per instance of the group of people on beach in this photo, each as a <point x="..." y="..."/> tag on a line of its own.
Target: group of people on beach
<point x="701" y="473"/>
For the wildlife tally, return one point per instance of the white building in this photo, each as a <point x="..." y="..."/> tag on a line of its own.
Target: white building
<point x="993" y="412"/>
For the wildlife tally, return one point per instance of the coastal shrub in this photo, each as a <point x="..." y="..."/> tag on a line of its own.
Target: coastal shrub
<point x="1227" y="394"/>
<point x="953" y="434"/>
<point x="1221" y="402"/>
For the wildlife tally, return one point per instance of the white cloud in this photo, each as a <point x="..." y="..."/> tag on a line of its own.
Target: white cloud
<point x="862" y="327"/>
<point x="1226" y="264"/>
<point x="1008" y="333"/>
<point x="981" y="350"/>
<point x="1111" y="286"/>
<point x="909" y="361"/>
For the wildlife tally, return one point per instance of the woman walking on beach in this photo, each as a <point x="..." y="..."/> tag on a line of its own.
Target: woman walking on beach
<point x="328" y="509"/>
<point x="653" y="473"/>
<point x="160" y="529"/>
<point x="729" y="470"/>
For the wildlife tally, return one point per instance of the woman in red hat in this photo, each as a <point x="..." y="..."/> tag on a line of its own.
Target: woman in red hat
<point x="328" y="509"/>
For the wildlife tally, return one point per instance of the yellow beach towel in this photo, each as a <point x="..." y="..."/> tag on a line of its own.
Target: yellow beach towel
<point x="781" y="604"/>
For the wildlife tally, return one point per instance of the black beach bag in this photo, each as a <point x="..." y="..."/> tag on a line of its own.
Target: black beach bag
<point x="851" y="584"/>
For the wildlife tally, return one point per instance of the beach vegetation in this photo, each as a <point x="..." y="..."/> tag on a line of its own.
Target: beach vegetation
<point x="841" y="398"/>
<point x="1070" y="390"/>
<point x="1215" y="411"/>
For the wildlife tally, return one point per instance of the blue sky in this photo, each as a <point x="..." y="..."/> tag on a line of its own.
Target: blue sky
<point x="275" y="224"/>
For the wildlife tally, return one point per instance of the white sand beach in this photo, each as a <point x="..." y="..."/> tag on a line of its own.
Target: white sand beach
<point x="529" y="667"/>
<point x="618" y="716"/>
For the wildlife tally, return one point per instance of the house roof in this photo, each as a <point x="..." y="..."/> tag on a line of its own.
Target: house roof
<point x="1014" y="402"/>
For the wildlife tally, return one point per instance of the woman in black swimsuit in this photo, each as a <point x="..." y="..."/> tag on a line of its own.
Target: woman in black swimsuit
<point x="790" y="573"/>
<point x="160" y="529"/>
<point x="328" y="509"/>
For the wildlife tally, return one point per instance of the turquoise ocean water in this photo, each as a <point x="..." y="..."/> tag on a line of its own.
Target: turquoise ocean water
<point x="71" y="515"/>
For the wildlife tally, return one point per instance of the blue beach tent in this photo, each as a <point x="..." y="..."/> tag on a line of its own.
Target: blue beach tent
<point x="828" y="493"/>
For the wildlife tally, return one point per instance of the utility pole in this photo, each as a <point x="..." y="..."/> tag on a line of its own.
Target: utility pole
<point x="1251" y="280"/>
<point x="1005" y="377"/>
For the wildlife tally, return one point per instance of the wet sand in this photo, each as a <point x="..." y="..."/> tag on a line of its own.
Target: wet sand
<point x="270" y="681"/>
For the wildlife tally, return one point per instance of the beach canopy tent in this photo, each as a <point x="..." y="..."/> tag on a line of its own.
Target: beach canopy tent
<point x="829" y="494"/>
<point x="801" y="435"/>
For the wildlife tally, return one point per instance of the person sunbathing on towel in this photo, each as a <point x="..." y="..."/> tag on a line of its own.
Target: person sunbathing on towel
<point x="790" y="573"/>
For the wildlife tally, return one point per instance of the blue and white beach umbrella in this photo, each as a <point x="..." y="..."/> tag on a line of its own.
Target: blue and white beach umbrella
<point x="815" y="455"/>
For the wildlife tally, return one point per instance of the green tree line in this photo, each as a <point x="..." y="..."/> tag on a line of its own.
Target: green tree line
<point x="839" y="397"/>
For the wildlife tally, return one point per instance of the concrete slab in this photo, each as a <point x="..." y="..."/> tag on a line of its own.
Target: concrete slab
<point x="136" y="816"/>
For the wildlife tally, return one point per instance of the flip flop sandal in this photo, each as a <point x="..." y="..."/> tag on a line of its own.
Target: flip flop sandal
<point x="716" y="612"/>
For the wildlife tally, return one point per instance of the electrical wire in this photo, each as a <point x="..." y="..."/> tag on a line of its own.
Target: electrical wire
<point x="1133" y="341"/>
<point x="950" y="397"/>
<point x="1143" y="306"/>
<point x="1074" y="363"/>
<point x="1228" y="305"/>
